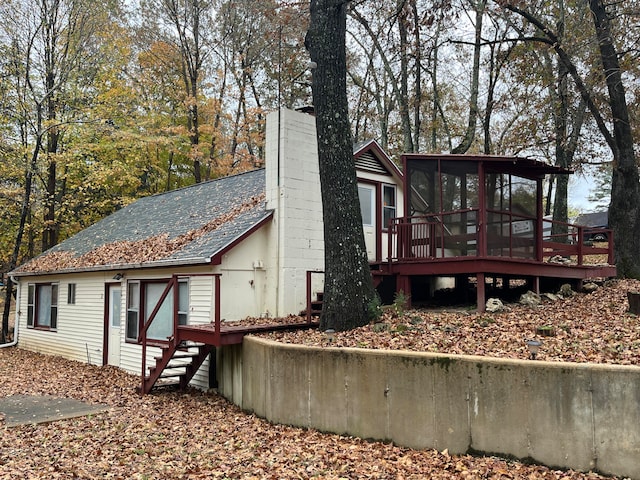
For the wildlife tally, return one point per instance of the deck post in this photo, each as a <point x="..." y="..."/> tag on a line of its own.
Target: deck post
<point x="403" y="284"/>
<point x="480" y="293"/>
<point x="217" y="314"/>
<point x="308" y="296"/>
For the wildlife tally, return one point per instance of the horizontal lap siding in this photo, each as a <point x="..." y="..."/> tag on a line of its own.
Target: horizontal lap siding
<point x="200" y="298"/>
<point x="201" y="301"/>
<point x="80" y="327"/>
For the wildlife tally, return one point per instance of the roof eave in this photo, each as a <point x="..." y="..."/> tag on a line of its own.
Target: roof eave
<point x="194" y="261"/>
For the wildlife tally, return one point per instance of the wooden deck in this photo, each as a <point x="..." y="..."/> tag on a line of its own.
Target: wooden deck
<point x="232" y="333"/>
<point x="420" y="250"/>
<point x="188" y="346"/>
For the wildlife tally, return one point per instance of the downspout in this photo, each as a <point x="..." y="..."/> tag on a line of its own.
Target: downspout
<point x="278" y="212"/>
<point x="14" y="342"/>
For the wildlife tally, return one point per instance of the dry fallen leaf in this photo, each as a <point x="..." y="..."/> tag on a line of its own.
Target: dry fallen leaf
<point x="594" y="327"/>
<point x="197" y="435"/>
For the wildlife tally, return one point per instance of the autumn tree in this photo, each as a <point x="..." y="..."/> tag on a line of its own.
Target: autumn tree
<point x="52" y="41"/>
<point x="349" y="293"/>
<point x="185" y="26"/>
<point x="624" y="210"/>
<point x="554" y="133"/>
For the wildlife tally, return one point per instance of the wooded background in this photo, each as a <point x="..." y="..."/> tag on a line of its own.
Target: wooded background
<point x="104" y="102"/>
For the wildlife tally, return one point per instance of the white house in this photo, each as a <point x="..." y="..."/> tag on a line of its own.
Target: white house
<point x="261" y="231"/>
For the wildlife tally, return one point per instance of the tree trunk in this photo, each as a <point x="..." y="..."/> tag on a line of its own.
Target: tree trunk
<point x="403" y="101"/>
<point x="469" y="135"/>
<point x="349" y="292"/>
<point x="24" y="213"/>
<point x="417" y="100"/>
<point x="624" y="210"/>
<point x="560" y="204"/>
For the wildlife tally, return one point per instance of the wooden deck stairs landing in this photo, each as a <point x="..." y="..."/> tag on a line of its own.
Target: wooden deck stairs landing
<point x="176" y="366"/>
<point x="184" y="351"/>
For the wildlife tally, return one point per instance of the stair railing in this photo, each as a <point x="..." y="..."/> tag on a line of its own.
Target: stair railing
<point x="174" y="340"/>
<point x="145" y="326"/>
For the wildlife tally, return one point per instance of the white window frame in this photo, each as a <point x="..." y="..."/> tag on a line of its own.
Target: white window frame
<point x="36" y="310"/>
<point x="71" y="294"/>
<point x="391" y="209"/>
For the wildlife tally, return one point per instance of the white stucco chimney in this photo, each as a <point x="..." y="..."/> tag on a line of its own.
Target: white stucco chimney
<point x="296" y="239"/>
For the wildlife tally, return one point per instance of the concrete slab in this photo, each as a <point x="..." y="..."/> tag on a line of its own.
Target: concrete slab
<point x="27" y="409"/>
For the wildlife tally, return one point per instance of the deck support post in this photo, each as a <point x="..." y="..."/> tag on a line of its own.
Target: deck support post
<point x="536" y="284"/>
<point x="403" y="284"/>
<point x="480" y="293"/>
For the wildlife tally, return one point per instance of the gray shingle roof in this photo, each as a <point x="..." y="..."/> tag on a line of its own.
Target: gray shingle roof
<point x="596" y="219"/>
<point x="175" y="213"/>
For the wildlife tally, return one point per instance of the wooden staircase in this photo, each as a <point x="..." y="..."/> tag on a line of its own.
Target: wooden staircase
<point x="316" y="305"/>
<point x="186" y="349"/>
<point x="176" y="366"/>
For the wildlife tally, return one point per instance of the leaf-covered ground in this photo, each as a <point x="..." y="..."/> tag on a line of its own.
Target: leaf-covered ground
<point x="196" y="435"/>
<point x="594" y="327"/>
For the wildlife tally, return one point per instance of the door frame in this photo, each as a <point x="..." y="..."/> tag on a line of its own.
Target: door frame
<point x="376" y="188"/>
<point x="106" y="323"/>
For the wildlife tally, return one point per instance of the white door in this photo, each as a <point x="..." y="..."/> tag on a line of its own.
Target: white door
<point x="367" y="195"/>
<point x="115" y="308"/>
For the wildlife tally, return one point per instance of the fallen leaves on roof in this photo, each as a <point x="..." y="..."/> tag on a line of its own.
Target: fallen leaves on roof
<point x="197" y="435"/>
<point x="125" y="252"/>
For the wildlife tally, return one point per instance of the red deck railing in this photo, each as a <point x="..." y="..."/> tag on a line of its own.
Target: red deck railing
<point x="174" y="339"/>
<point x="456" y="234"/>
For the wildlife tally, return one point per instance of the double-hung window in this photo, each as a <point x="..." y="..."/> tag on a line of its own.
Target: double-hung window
<point x="133" y="311"/>
<point x="71" y="294"/>
<point x="388" y="204"/>
<point x="142" y="299"/>
<point x="42" y="306"/>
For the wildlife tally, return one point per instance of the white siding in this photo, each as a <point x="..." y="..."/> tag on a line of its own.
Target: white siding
<point x="244" y="278"/>
<point x="80" y="327"/>
<point x="378" y="179"/>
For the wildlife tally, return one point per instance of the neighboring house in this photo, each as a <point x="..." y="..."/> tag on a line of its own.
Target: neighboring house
<point x="261" y="231"/>
<point x="596" y="220"/>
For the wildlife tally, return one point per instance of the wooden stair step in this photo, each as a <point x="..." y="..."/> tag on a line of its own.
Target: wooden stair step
<point x="190" y="344"/>
<point x="173" y="364"/>
<point x="180" y="354"/>
<point x="167" y="384"/>
<point x="166" y="374"/>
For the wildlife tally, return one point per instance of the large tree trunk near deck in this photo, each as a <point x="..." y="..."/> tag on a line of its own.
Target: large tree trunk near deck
<point x="624" y="210"/>
<point x="348" y="289"/>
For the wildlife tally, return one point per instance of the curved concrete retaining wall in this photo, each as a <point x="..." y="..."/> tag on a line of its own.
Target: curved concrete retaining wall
<point x="580" y="416"/>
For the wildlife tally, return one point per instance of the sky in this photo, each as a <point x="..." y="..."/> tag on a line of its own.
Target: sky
<point x="580" y="186"/>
